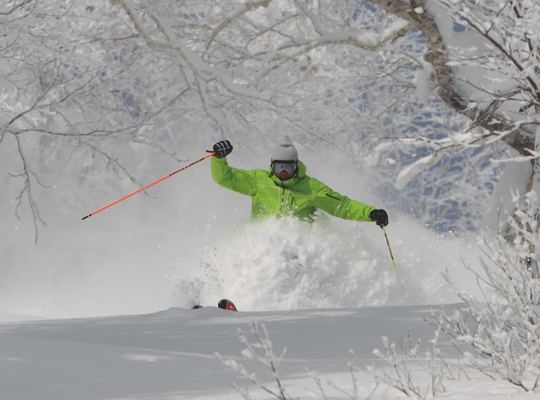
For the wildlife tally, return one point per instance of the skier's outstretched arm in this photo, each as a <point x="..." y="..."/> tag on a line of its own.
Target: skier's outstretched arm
<point x="343" y="207"/>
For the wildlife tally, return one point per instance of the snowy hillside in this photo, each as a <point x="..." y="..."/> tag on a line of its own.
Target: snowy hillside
<point x="320" y="290"/>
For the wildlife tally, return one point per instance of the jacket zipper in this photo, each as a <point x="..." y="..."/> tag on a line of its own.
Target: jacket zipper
<point x="284" y="199"/>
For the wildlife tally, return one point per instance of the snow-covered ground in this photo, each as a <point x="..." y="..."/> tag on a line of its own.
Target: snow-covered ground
<point x="172" y="355"/>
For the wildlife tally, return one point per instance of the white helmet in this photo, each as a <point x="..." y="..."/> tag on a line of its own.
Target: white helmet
<point x="285" y="151"/>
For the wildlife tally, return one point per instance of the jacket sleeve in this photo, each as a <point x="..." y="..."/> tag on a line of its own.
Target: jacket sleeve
<point x="340" y="206"/>
<point x="239" y="180"/>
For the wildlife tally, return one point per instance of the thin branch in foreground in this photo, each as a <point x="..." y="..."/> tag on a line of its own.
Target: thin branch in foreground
<point x="263" y="345"/>
<point x="27" y="189"/>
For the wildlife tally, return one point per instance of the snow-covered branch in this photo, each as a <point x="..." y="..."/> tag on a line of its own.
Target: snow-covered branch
<point x="502" y="329"/>
<point x="28" y="176"/>
<point x="261" y="351"/>
<point x="237" y="13"/>
<point x="504" y="50"/>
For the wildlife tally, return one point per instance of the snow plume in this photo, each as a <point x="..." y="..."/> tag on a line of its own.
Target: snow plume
<point x="284" y="264"/>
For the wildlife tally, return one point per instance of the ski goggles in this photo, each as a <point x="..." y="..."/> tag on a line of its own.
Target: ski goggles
<point x="284" y="166"/>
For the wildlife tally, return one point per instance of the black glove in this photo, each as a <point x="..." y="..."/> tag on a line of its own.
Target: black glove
<point x="222" y="149"/>
<point x="380" y="217"/>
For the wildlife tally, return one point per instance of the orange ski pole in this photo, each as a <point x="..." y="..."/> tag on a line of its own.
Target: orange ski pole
<point x="146" y="187"/>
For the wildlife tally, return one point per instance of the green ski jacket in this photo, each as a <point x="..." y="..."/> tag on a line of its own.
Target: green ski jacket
<point x="299" y="196"/>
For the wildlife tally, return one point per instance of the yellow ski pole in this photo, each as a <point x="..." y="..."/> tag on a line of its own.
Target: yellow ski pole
<point x="389" y="249"/>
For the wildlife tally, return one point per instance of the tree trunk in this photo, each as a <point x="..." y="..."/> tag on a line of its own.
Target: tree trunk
<point x="519" y="139"/>
<point x="534" y="261"/>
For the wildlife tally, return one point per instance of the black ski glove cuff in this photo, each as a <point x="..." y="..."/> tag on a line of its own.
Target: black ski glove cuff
<point x="380" y="217"/>
<point x="222" y="149"/>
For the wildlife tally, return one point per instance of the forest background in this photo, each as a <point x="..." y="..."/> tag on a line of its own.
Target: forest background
<point x="428" y="109"/>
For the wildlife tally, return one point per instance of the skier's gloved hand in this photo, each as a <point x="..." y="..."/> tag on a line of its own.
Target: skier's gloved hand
<point x="380" y="217"/>
<point x="222" y="149"/>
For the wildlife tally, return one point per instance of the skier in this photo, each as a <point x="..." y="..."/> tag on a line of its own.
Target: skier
<point x="285" y="189"/>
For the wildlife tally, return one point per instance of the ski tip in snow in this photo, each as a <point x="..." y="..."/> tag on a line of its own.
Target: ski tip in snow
<point x="226" y="305"/>
<point x="196" y="306"/>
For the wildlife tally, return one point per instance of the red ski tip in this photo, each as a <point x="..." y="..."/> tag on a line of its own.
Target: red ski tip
<point x="226" y="305"/>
